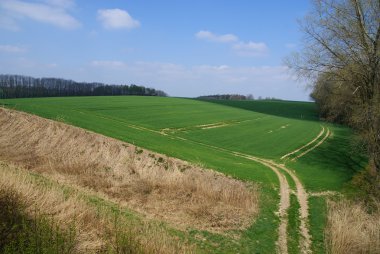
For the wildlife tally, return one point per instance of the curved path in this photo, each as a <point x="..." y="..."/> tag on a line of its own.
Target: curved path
<point x="311" y="143"/>
<point x="301" y="194"/>
<point x="308" y="144"/>
<point x="302" y="197"/>
<point x="315" y="146"/>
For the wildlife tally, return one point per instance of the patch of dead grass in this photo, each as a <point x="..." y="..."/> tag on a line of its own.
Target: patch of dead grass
<point x="351" y="229"/>
<point x="95" y="231"/>
<point x="153" y="184"/>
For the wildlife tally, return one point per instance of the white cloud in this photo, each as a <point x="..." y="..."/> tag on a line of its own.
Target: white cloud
<point x="241" y="48"/>
<point x="209" y="36"/>
<point x="45" y="13"/>
<point x="116" y="19"/>
<point x="250" y="48"/>
<point x="61" y="3"/>
<point x="11" y="49"/>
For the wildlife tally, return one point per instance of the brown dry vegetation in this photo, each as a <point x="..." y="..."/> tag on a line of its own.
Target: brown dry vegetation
<point x="351" y="229"/>
<point x="95" y="230"/>
<point x="152" y="184"/>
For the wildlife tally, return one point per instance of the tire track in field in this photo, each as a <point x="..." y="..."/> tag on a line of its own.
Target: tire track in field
<point x="282" y="241"/>
<point x="302" y="198"/>
<point x="315" y="146"/>
<point x="308" y="144"/>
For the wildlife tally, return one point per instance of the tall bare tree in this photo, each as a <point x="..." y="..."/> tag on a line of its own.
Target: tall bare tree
<point x="341" y="58"/>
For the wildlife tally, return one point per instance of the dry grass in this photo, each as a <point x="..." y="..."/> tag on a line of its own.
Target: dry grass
<point x="95" y="231"/>
<point x="351" y="229"/>
<point x="153" y="184"/>
<point x="53" y="203"/>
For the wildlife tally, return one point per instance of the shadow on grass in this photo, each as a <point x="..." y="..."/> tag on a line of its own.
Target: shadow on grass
<point x="333" y="164"/>
<point x="290" y="109"/>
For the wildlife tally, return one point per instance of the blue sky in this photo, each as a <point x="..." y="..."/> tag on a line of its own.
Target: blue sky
<point x="186" y="48"/>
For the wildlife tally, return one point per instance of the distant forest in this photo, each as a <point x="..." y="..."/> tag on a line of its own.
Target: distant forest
<point x="18" y="86"/>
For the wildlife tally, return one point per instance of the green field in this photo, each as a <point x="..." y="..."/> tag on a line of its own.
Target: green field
<point x="208" y="132"/>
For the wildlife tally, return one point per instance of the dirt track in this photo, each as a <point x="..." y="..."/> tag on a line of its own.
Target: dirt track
<point x="301" y="194"/>
<point x="302" y="198"/>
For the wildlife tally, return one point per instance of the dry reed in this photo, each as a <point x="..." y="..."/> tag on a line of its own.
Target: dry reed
<point x="351" y="229"/>
<point x="54" y="204"/>
<point x="95" y="231"/>
<point x="150" y="183"/>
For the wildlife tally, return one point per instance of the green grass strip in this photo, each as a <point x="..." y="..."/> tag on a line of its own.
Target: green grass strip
<point x="293" y="225"/>
<point x="317" y="220"/>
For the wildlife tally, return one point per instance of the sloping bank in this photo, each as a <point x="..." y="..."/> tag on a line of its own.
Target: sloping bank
<point x="152" y="185"/>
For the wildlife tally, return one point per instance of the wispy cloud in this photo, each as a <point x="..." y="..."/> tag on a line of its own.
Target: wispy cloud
<point x="51" y="12"/>
<point x="61" y="3"/>
<point x="11" y="49"/>
<point x="250" y="48"/>
<point x="209" y="36"/>
<point x="241" y="48"/>
<point x="117" y="19"/>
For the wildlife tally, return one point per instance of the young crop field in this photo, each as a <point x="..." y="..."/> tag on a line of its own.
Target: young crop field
<point x="295" y="159"/>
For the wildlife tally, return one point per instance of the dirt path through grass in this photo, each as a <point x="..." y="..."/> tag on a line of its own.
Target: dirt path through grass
<point x="301" y="194"/>
<point x="302" y="198"/>
<point x="282" y="243"/>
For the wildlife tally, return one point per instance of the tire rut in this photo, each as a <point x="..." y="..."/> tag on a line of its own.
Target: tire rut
<point x="304" y="146"/>
<point x="315" y="146"/>
<point x="302" y="198"/>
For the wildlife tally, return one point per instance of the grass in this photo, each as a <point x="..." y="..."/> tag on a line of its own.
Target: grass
<point x="140" y="120"/>
<point x="332" y="165"/>
<point x="21" y="234"/>
<point x="294" y="223"/>
<point x="121" y="117"/>
<point x="198" y="131"/>
<point x="317" y="219"/>
<point x="289" y="109"/>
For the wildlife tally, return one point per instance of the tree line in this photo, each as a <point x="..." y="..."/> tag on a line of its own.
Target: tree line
<point x="341" y="59"/>
<point x="19" y="86"/>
